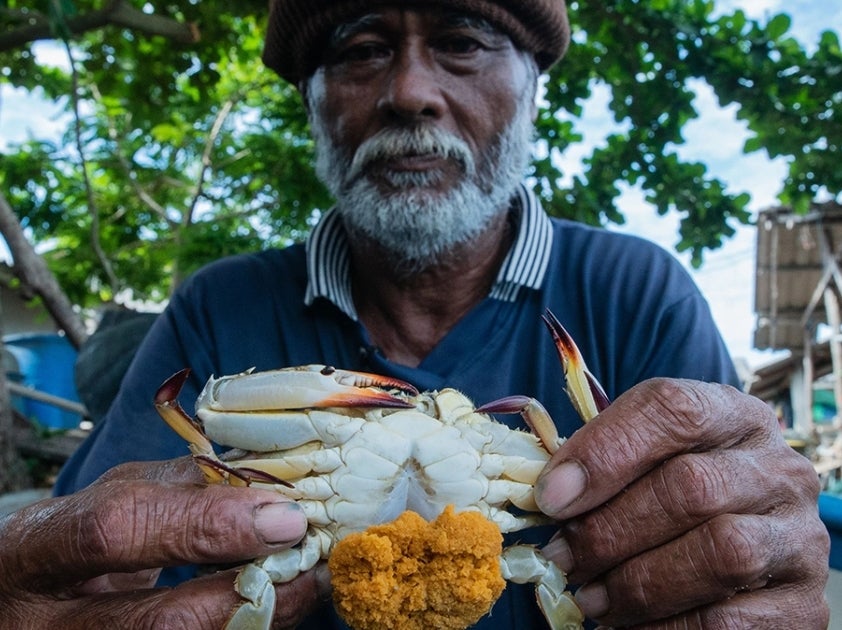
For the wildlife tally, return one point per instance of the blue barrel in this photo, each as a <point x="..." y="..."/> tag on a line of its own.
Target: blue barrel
<point x="45" y="362"/>
<point x="830" y="510"/>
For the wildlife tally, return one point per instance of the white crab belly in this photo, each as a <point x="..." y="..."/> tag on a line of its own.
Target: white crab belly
<point x="406" y="461"/>
<point x="353" y="471"/>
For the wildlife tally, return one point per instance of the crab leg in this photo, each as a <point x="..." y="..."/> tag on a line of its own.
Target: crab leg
<point x="255" y="586"/>
<point x="536" y="416"/>
<point x="166" y="402"/>
<point x="525" y="564"/>
<point x="215" y="470"/>
<point x="584" y="390"/>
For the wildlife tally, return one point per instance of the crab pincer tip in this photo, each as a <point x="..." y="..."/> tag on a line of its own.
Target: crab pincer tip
<point x="366" y="397"/>
<point x="585" y="391"/>
<point x="509" y="404"/>
<point x="170" y="388"/>
<point x="567" y="349"/>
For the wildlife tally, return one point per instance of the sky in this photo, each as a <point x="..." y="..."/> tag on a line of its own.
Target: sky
<point x="715" y="138"/>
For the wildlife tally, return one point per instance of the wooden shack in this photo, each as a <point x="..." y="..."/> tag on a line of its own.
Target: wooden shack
<point x="798" y="290"/>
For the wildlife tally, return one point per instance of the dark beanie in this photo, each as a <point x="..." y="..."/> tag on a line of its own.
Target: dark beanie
<point x="298" y="29"/>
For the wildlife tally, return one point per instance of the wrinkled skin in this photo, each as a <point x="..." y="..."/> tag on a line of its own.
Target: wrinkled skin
<point x="678" y="501"/>
<point x="89" y="560"/>
<point x="683" y="507"/>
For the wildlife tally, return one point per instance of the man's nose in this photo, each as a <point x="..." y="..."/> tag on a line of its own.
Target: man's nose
<point x="412" y="89"/>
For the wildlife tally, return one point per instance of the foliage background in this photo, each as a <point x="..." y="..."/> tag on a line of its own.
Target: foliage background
<point x="184" y="151"/>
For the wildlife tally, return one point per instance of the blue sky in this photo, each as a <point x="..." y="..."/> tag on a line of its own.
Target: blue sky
<point x="716" y="139"/>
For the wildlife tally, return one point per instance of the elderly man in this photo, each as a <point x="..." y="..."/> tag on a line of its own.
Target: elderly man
<point x="679" y="506"/>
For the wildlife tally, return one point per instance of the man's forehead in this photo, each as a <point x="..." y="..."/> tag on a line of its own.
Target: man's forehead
<point x="444" y="18"/>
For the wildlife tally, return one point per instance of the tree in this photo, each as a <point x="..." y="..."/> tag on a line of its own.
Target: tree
<point x="182" y="150"/>
<point x="181" y="147"/>
<point x="647" y="52"/>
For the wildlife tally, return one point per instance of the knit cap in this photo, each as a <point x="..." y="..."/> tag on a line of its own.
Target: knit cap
<point x="298" y="29"/>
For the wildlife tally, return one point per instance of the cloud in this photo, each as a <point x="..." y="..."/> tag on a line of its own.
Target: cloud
<point x="51" y="53"/>
<point x="25" y="115"/>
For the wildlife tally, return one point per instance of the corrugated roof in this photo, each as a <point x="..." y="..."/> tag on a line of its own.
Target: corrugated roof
<point x="791" y="273"/>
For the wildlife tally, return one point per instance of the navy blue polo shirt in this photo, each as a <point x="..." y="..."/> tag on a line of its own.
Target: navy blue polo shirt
<point x="632" y="309"/>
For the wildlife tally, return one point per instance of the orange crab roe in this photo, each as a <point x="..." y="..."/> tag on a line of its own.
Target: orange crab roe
<point x="411" y="574"/>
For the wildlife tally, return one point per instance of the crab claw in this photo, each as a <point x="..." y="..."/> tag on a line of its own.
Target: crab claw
<point x="214" y="469"/>
<point x="584" y="390"/>
<point x="303" y="387"/>
<point x="536" y="416"/>
<point x="166" y="402"/>
<point x="362" y="379"/>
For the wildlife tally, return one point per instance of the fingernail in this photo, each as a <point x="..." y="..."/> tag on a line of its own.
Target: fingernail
<point x="593" y="599"/>
<point x="560" y="487"/>
<point x="280" y="523"/>
<point x="558" y="552"/>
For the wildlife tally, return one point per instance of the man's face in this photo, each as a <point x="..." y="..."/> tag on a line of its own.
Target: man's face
<point x="423" y="123"/>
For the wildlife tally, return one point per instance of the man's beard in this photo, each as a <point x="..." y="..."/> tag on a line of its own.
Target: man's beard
<point x="417" y="227"/>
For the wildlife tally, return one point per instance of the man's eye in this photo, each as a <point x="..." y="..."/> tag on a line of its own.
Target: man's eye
<point x="459" y="45"/>
<point x="360" y="53"/>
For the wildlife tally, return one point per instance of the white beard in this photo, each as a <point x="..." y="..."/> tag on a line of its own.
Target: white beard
<point x="417" y="227"/>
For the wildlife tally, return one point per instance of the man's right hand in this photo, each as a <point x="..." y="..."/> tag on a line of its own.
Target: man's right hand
<point x="91" y="559"/>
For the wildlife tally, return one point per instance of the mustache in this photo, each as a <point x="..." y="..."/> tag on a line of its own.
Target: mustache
<point x="395" y="143"/>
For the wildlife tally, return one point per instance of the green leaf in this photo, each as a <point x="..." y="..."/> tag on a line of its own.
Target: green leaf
<point x="752" y="144"/>
<point x="778" y="25"/>
<point x="167" y="133"/>
<point x="170" y="197"/>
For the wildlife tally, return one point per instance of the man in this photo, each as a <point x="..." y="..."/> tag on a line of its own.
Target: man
<point x="679" y="506"/>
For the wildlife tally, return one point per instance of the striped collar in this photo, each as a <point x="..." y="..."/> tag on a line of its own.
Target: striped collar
<point x="328" y="256"/>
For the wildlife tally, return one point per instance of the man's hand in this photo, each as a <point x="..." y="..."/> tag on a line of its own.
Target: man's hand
<point x="90" y="559"/>
<point x="683" y="507"/>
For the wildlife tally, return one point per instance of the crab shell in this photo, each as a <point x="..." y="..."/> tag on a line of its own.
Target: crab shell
<point x="358" y="449"/>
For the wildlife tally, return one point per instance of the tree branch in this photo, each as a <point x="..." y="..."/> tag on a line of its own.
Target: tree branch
<point x="221" y="115"/>
<point x="140" y="191"/>
<point x="93" y="207"/>
<point x="116" y="13"/>
<point x="33" y="271"/>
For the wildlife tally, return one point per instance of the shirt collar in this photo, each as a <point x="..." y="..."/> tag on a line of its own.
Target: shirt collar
<point x="328" y="256"/>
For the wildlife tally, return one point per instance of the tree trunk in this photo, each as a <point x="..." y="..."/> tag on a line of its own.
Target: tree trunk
<point x="31" y="269"/>
<point x="14" y="475"/>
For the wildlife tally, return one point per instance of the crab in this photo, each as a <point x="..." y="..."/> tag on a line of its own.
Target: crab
<point x="357" y="449"/>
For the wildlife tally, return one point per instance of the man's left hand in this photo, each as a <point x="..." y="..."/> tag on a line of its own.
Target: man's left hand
<point x="682" y="506"/>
